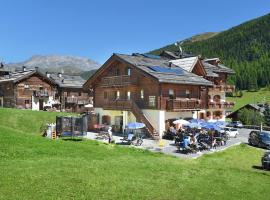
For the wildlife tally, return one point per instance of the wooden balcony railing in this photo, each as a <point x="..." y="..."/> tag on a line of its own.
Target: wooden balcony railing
<point x="183" y="104"/>
<point x="71" y="99"/>
<point x="221" y="105"/>
<point x="117" y="81"/>
<point x="41" y="93"/>
<point x="118" y="104"/>
<point x="223" y="88"/>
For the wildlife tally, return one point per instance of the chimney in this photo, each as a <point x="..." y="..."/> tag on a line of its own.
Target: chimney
<point x="48" y="74"/>
<point x="1" y="65"/>
<point x="59" y="75"/>
<point x="23" y="68"/>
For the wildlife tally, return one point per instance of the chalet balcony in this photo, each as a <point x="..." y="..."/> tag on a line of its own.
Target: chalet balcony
<point x="183" y="104"/>
<point x="71" y="100"/>
<point x="41" y="94"/>
<point x="222" y="88"/>
<point x="117" y="81"/>
<point x="221" y="105"/>
<point x="118" y="104"/>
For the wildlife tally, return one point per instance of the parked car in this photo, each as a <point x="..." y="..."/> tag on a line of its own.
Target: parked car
<point x="231" y="132"/>
<point x="236" y="124"/>
<point x="259" y="139"/>
<point x="266" y="161"/>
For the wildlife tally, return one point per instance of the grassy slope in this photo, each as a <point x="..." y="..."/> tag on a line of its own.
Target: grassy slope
<point x="26" y="120"/>
<point x="249" y="97"/>
<point x="33" y="167"/>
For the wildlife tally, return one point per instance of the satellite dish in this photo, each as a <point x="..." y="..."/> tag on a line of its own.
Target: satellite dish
<point x="178" y="44"/>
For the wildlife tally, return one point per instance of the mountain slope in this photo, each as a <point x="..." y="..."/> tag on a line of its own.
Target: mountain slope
<point x="246" y="48"/>
<point x="57" y="63"/>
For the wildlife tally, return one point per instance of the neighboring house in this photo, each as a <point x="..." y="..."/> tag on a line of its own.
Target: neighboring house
<point x="152" y="89"/>
<point x="28" y="89"/>
<point x="255" y="107"/>
<point x="70" y="92"/>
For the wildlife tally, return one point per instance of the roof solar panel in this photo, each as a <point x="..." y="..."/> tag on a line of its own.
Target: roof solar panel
<point x="167" y="70"/>
<point x="147" y="55"/>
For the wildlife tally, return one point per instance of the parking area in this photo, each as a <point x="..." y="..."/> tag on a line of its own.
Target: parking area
<point x="168" y="146"/>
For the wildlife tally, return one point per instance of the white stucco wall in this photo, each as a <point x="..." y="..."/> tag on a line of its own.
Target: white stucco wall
<point x="127" y="115"/>
<point x="46" y="102"/>
<point x="171" y="115"/>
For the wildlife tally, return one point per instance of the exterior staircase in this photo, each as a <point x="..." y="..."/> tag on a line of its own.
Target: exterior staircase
<point x="140" y="116"/>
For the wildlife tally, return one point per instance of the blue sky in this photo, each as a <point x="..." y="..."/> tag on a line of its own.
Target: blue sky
<point x="97" y="28"/>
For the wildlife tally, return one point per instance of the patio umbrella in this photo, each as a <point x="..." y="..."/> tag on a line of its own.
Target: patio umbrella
<point x="135" y="125"/>
<point x="211" y="126"/>
<point x="212" y="120"/>
<point x="88" y="105"/>
<point x="181" y="121"/>
<point x="221" y="124"/>
<point x="197" y="121"/>
<point x="194" y="125"/>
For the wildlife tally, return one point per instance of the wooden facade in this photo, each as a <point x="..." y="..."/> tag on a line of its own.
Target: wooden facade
<point x="33" y="88"/>
<point x="74" y="99"/>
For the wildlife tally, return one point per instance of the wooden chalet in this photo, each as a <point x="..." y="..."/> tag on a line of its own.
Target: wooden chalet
<point x="70" y="92"/>
<point x="28" y="89"/>
<point x="152" y="89"/>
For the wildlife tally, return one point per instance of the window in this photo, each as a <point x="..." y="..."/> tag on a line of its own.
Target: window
<point x="26" y="86"/>
<point x="128" y="71"/>
<point x="128" y="95"/>
<point x="118" y="94"/>
<point x="105" y="95"/>
<point x="171" y="94"/>
<point x="68" y="94"/>
<point x="80" y="94"/>
<point x="142" y="94"/>
<point x="152" y="101"/>
<point x="187" y="94"/>
<point x="216" y="98"/>
<point x="117" y="72"/>
<point x="27" y="102"/>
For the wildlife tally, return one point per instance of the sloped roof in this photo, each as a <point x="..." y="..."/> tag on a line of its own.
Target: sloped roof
<point x="209" y="69"/>
<point x="68" y="81"/>
<point x="223" y="68"/>
<point x="256" y="107"/>
<point x="212" y="70"/>
<point x="145" y="65"/>
<point x="20" y="75"/>
<point x="186" y="63"/>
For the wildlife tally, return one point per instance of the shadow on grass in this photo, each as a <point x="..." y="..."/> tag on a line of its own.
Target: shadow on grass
<point x="73" y="139"/>
<point x="258" y="167"/>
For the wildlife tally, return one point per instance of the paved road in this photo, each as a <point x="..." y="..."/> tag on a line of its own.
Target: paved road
<point x="168" y="147"/>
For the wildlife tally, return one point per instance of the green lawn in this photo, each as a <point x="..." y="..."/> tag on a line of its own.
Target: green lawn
<point x="33" y="167"/>
<point x="250" y="97"/>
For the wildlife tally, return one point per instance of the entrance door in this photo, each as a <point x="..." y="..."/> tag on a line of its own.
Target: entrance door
<point x="201" y="116"/>
<point x="41" y="104"/>
<point x="118" y="123"/>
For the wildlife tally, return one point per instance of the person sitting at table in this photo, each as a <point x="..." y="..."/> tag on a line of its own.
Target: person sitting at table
<point x="186" y="142"/>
